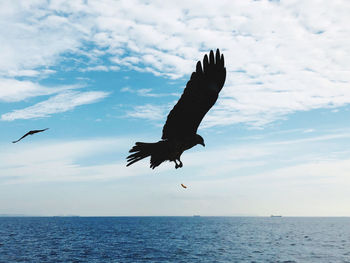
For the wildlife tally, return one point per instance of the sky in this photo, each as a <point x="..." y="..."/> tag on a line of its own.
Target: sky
<point x="104" y="74"/>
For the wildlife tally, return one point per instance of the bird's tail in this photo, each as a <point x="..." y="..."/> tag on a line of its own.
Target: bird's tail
<point x="142" y="150"/>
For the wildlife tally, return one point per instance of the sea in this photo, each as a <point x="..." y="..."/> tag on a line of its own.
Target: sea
<point x="174" y="239"/>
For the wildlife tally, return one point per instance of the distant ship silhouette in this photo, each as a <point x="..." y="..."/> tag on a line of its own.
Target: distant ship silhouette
<point x="275" y="216"/>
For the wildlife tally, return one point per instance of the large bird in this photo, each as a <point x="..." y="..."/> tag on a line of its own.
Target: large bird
<point x="180" y="129"/>
<point x="30" y="133"/>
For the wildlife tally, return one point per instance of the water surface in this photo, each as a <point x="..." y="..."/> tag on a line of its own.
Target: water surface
<point x="174" y="239"/>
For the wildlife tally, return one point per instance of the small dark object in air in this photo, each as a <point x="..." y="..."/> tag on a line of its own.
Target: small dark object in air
<point x="180" y="129"/>
<point x="30" y="133"/>
<point x="184" y="186"/>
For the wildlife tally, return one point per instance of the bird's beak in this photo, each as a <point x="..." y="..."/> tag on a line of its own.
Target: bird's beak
<point x="202" y="144"/>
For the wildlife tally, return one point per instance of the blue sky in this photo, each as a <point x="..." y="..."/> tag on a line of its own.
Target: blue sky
<point x="104" y="74"/>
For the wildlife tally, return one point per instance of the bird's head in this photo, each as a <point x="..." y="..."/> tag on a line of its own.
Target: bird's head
<point x="199" y="140"/>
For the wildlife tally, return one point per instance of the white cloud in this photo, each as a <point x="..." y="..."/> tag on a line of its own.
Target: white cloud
<point x="281" y="57"/>
<point x="33" y="36"/>
<point x="60" y="103"/>
<point x="148" y="111"/>
<point x="12" y="90"/>
<point x="147" y="92"/>
<point x="62" y="161"/>
<point x="95" y="68"/>
<point x="100" y="68"/>
<point x="308" y="189"/>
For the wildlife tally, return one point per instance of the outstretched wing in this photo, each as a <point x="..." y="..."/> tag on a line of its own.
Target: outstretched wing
<point x="199" y="96"/>
<point x="25" y="135"/>
<point x="36" y="131"/>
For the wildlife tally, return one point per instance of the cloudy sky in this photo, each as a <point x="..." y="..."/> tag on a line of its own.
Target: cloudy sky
<point x="104" y="74"/>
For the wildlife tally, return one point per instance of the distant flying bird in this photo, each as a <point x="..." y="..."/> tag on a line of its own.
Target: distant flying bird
<point x="30" y="133"/>
<point x="184" y="186"/>
<point x="180" y="129"/>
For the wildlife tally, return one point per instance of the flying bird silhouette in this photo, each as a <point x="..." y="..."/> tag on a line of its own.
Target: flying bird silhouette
<point x="184" y="186"/>
<point x="30" y="133"/>
<point x="180" y="129"/>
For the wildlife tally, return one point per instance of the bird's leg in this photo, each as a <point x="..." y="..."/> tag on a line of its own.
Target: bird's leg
<point x="176" y="164"/>
<point x="180" y="164"/>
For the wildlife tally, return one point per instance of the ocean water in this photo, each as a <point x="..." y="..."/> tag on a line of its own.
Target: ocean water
<point x="174" y="239"/>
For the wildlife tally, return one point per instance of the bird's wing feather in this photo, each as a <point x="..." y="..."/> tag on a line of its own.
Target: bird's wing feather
<point x="25" y="135"/>
<point x="36" y="131"/>
<point x="199" y="96"/>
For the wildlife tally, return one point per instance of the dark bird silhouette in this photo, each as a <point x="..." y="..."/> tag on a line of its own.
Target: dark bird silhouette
<point x="180" y="129"/>
<point x="30" y="133"/>
<point x="184" y="186"/>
